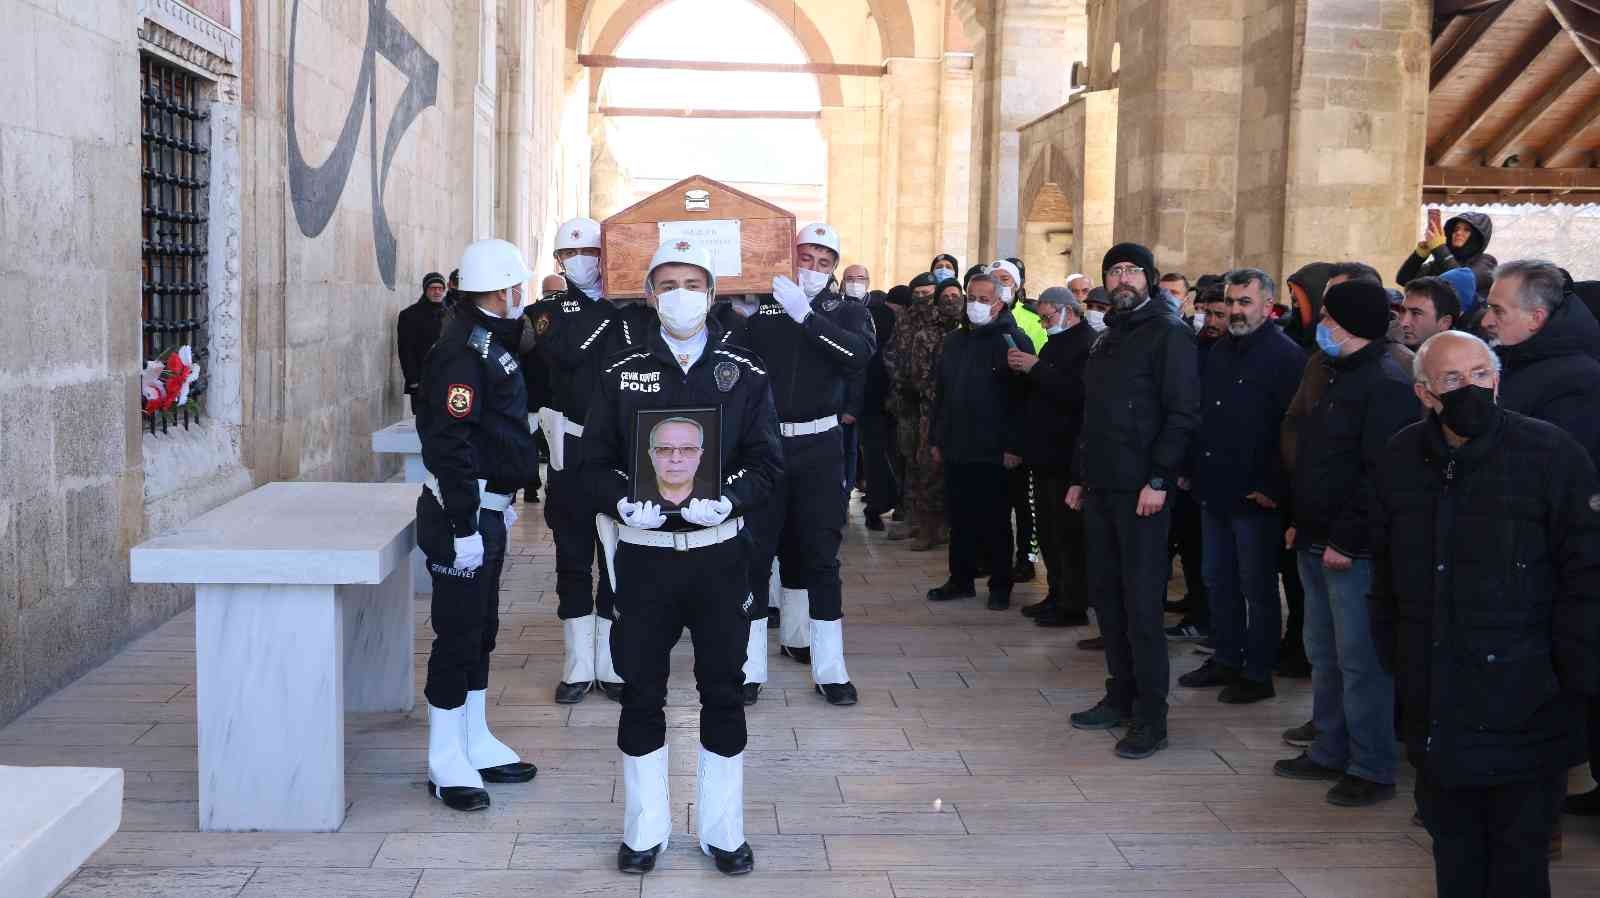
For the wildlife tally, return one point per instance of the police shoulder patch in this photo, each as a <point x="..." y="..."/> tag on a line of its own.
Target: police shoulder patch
<point x="830" y="304"/>
<point x="458" y="400"/>
<point x="541" y="324"/>
<point x="727" y="374"/>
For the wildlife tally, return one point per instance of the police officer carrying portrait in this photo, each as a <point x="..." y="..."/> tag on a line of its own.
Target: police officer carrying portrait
<point x="575" y="331"/>
<point x="681" y="563"/>
<point x="472" y="419"/>
<point x="813" y="343"/>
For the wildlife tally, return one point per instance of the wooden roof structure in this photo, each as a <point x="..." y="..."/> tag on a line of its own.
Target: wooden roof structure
<point x="1514" y="102"/>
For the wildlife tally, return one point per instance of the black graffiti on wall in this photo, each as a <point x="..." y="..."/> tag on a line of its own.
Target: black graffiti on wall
<point x="315" y="190"/>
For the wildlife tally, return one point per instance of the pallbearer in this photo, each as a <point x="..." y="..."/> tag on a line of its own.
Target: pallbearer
<point x="681" y="442"/>
<point x="472" y="417"/>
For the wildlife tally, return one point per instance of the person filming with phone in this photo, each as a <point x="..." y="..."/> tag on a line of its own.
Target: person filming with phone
<point x="1461" y="241"/>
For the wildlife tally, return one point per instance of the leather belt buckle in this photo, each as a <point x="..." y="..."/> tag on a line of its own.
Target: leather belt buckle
<point x="680" y="541"/>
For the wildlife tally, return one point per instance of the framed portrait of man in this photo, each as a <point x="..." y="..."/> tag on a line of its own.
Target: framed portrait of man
<point x="676" y="457"/>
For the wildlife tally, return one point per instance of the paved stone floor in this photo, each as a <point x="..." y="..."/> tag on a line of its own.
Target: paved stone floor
<point x="957" y="775"/>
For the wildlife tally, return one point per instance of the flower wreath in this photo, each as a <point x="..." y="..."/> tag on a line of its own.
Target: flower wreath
<point x="166" y="382"/>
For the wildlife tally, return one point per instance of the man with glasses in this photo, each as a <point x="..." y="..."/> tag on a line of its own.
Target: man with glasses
<point x="1139" y="418"/>
<point x="675" y="448"/>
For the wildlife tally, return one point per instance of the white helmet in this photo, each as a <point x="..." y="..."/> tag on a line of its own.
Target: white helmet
<point x="578" y="233"/>
<point x="490" y="265"/>
<point x="681" y="252"/>
<point x="819" y="234"/>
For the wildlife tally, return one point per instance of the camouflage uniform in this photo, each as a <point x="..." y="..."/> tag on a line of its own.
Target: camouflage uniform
<point x="911" y="359"/>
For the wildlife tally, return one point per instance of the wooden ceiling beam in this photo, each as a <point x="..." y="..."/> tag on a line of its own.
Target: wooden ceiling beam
<point x="1502" y="147"/>
<point x="1476" y="177"/>
<point x="1478" y="107"/>
<point x="1563" y="142"/>
<point x="1466" y="38"/>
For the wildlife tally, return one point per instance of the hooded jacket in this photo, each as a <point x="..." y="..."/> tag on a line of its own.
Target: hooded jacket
<point x="1474" y="255"/>
<point x="1301" y="323"/>
<point x="1553" y="375"/>
<point x="978" y="400"/>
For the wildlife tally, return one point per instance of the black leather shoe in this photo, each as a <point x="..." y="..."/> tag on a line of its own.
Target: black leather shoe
<point x="571" y="693"/>
<point x="612" y="691"/>
<point x="1023" y="572"/>
<point x="773" y="616"/>
<point x="794" y="653"/>
<point x="630" y="861"/>
<point x="1245" y="691"/>
<point x="841" y="694"/>
<point x="752" y="693"/>
<point x="1181" y="606"/>
<point x="1101" y="717"/>
<point x="1584" y="804"/>
<point x="460" y="798"/>
<point x="1093" y="644"/>
<point x="1355" y="792"/>
<point x="737" y="862"/>
<point x="874" y="523"/>
<point x="531" y="497"/>
<point x="999" y="600"/>
<point x="1142" y="741"/>
<point x="1060" y="618"/>
<point x="952" y="590"/>
<point x="1207" y="675"/>
<point x="519" y="772"/>
<point x="1303" y="768"/>
<point x="1039" y="609"/>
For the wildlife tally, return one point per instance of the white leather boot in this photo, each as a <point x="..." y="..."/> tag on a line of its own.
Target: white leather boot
<point x="495" y="761"/>
<point x="647" y="801"/>
<point x="719" y="811"/>
<point x="605" y="671"/>
<point x="577" y="671"/>
<point x="451" y="777"/>
<point x="794" y="632"/>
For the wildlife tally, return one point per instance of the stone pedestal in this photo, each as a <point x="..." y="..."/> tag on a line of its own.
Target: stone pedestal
<point x="55" y="818"/>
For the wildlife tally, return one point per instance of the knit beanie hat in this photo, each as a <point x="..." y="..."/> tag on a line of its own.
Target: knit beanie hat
<point x="1360" y="307"/>
<point x="1133" y="254"/>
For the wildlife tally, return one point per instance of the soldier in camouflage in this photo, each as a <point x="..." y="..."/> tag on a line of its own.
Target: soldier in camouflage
<point x="912" y="358"/>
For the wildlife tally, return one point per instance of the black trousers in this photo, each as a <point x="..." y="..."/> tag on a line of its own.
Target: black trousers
<point x="813" y="520"/>
<point x="1186" y="544"/>
<point x="1060" y="539"/>
<point x="979" y="507"/>
<point x="570" y="516"/>
<point x="877" y="448"/>
<point x="466" y="604"/>
<point x="1128" y="567"/>
<point x="659" y="593"/>
<point x="1492" y="841"/>
<point x="1019" y="486"/>
<point x="534" y="485"/>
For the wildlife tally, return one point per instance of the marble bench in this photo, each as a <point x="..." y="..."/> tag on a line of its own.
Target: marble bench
<point x="303" y="610"/>
<point x="400" y="438"/>
<point x="55" y="817"/>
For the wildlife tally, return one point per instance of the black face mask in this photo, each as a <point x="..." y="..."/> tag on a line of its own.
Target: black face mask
<point x="1468" y="411"/>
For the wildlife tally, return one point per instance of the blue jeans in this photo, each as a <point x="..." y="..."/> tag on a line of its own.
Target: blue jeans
<point x="1240" y="560"/>
<point x="1352" y="698"/>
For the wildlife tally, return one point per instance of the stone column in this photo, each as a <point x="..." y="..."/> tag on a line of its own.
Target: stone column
<point x="910" y="174"/>
<point x="955" y="154"/>
<point x="852" y="135"/>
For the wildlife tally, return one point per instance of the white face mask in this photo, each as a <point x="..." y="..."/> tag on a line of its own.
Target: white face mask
<point x="683" y="312"/>
<point x="944" y="274"/>
<point x="1199" y="321"/>
<point x="855" y="289"/>
<point x="1006" y="293"/>
<point x="813" y="282"/>
<point x="1059" y="327"/>
<point x="979" y="313"/>
<point x="583" y="272"/>
<point x="1097" y="319"/>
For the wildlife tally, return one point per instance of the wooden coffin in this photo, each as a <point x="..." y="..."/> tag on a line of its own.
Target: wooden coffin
<point x="751" y="240"/>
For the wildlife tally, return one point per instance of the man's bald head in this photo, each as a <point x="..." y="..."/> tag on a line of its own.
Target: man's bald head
<point x="552" y="283"/>
<point x="1449" y="361"/>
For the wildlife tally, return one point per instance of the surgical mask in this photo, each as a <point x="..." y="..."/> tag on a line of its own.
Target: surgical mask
<point x="1325" y="342"/>
<point x="813" y="282"/>
<point x="583" y="272"/>
<point x="855" y="289"/>
<point x="1054" y="329"/>
<point x="944" y="274"/>
<point x="1096" y="319"/>
<point x="1199" y="322"/>
<point x="1468" y="411"/>
<point x="979" y="313"/>
<point x="682" y="312"/>
<point x="1006" y="293"/>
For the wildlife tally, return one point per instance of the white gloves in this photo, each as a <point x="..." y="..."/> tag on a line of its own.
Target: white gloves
<point x="706" y="512"/>
<point x="791" y="297"/>
<point x="469" y="552"/>
<point x="643" y="515"/>
<point x="510" y="515"/>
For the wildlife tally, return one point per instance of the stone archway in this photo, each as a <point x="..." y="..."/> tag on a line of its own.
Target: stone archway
<point x="1048" y="246"/>
<point x="896" y="27"/>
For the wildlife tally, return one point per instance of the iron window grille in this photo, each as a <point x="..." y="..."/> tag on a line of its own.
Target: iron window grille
<point x="176" y="175"/>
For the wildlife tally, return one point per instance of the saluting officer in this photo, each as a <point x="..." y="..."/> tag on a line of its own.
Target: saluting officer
<point x="682" y="564"/>
<point x="472" y="417"/>
<point x="575" y="331"/>
<point x="813" y="343"/>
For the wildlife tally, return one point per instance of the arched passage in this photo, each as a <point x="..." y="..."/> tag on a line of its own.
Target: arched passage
<point x="1048" y="245"/>
<point x="896" y="28"/>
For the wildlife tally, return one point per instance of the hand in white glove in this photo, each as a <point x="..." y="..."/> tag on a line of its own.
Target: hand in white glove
<point x="791" y="297"/>
<point x="708" y="512"/>
<point x="469" y="552"/>
<point x="643" y="515"/>
<point x="511" y="516"/>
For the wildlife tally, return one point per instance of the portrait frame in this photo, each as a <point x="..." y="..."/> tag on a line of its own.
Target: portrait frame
<point x="646" y="483"/>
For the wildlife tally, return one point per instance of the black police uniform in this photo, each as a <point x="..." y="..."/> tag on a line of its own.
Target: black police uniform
<point x="536" y="375"/>
<point x="473" y="423"/>
<point x="661" y="591"/>
<point x="575" y="335"/>
<point x="761" y="525"/>
<point x="811" y="366"/>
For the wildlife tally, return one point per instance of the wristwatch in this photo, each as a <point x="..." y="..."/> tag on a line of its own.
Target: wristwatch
<point x="1159" y="484"/>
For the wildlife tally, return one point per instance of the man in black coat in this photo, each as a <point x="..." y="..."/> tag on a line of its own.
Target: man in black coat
<point x="1338" y="450"/>
<point x="417" y="329"/>
<point x="1138" y="422"/>
<point x="1050" y="431"/>
<point x="878" y="426"/>
<point x="1239" y="481"/>
<point x="1486" y="607"/>
<point x="976" y="432"/>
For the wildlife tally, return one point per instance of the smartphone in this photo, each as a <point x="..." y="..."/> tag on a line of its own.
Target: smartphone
<point x="1435" y="220"/>
<point x="1010" y="342"/>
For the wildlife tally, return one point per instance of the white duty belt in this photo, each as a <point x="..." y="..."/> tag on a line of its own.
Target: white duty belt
<point x="556" y="427"/>
<point x="807" y="428"/>
<point x="611" y="532"/>
<point x="486" y="499"/>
